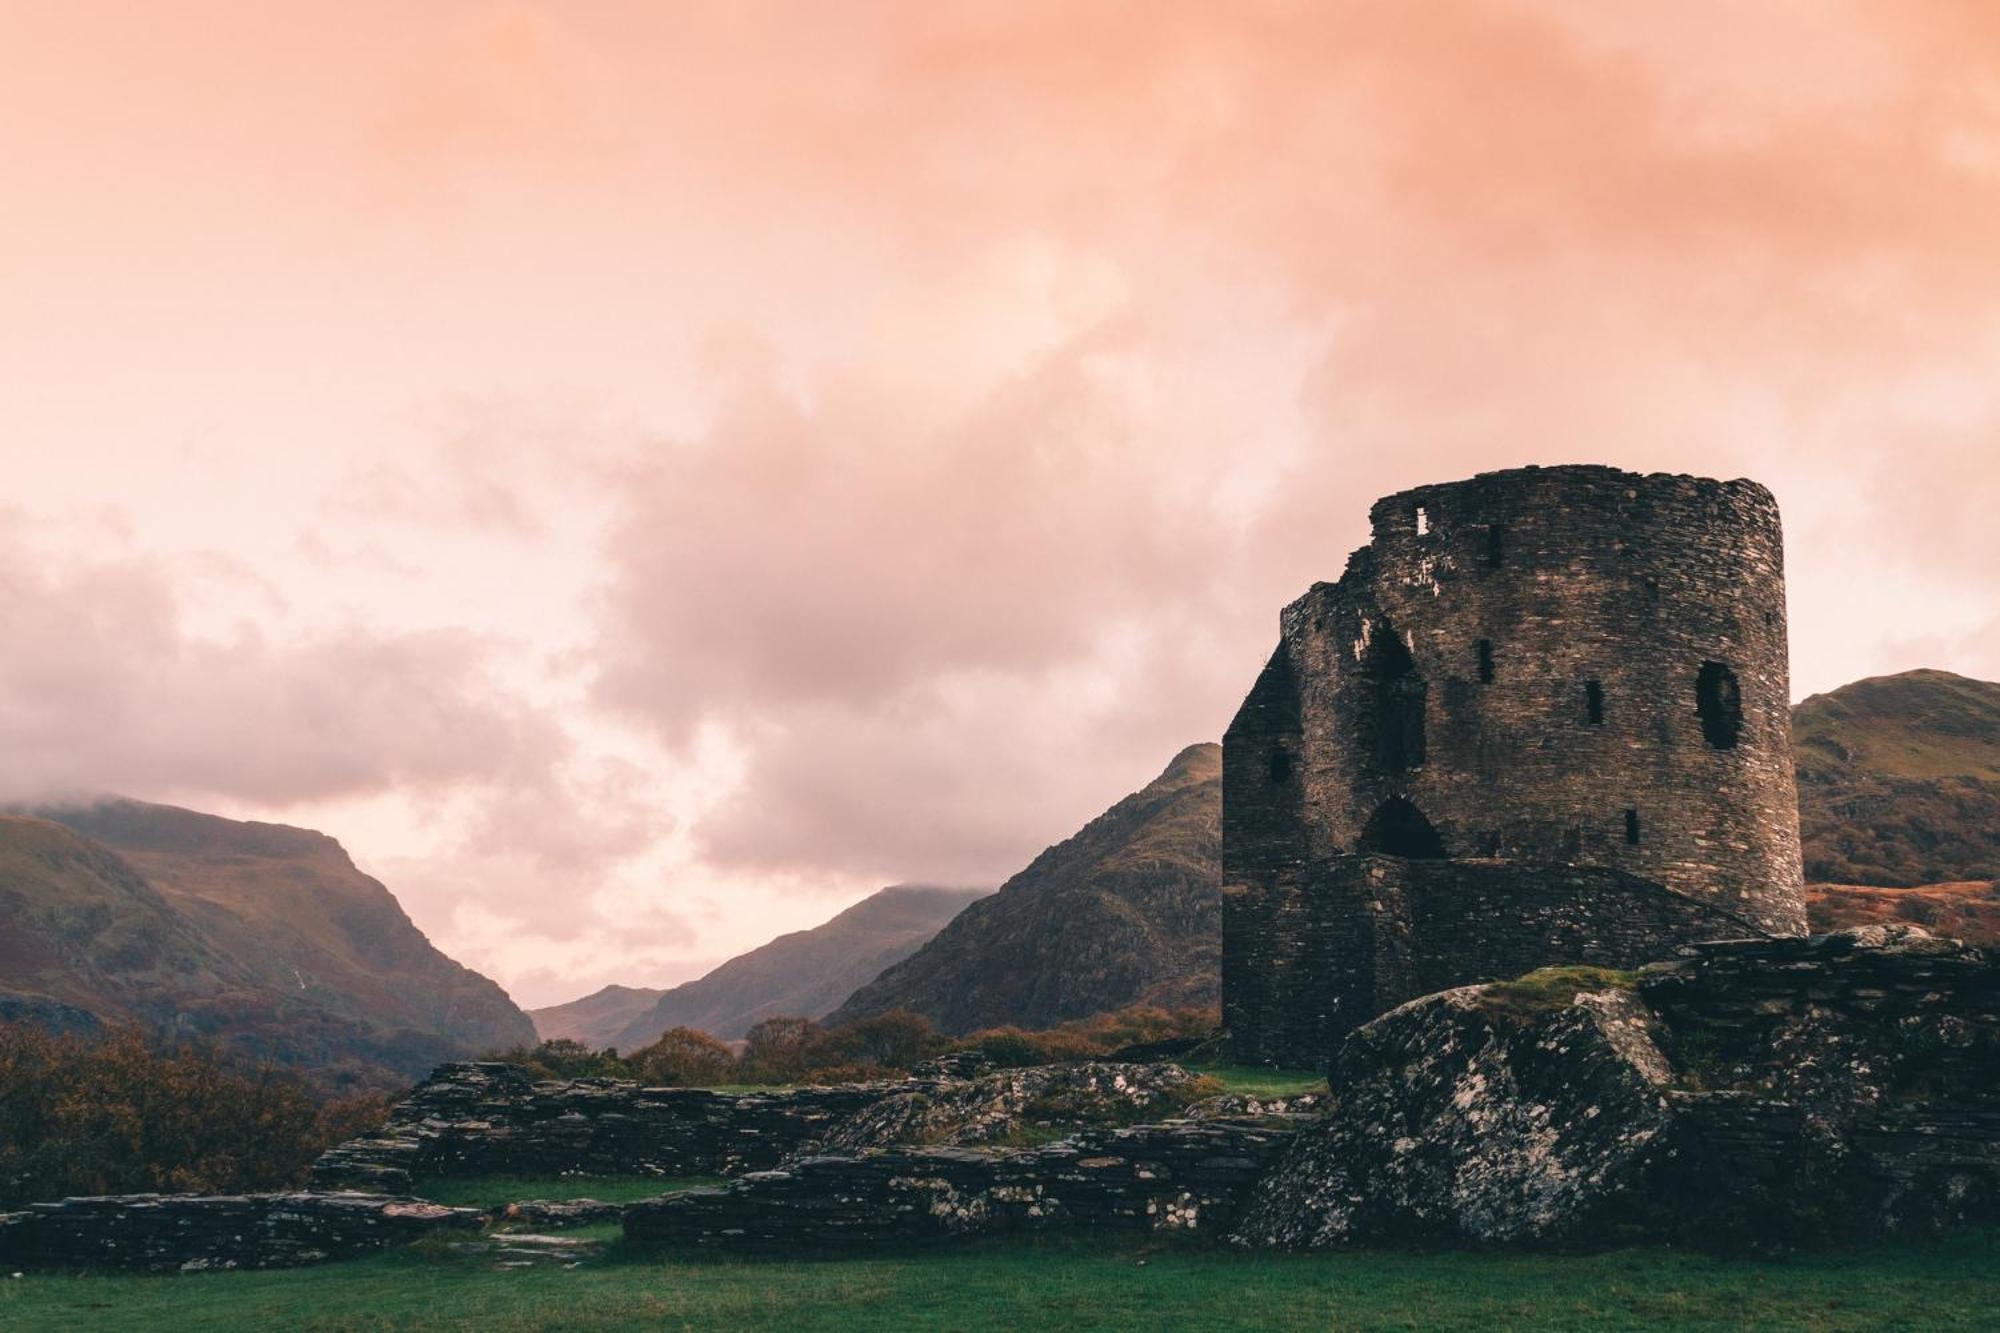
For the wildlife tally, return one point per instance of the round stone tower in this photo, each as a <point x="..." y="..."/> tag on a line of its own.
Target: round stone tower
<point x="1563" y="665"/>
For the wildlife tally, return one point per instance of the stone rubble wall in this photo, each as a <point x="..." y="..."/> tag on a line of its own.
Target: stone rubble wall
<point x="485" y="1118"/>
<point x="1181" y="1176"/>
<point x="474" y="1119"/>
<point x="189" y="1233"/>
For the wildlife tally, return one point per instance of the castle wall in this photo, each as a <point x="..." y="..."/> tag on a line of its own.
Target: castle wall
<point x="1360" y="935"/>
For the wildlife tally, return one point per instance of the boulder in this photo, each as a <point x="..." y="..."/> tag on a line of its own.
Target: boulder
<point x="1455" y="1120"/>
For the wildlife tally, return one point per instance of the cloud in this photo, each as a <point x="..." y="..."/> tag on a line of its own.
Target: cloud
<point x="103" y="687"/>
<point x="743" y="452"/>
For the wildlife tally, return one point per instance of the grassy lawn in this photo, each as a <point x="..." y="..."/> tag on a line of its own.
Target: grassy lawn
<point x="497" y="1191"/>
<point x="1259" y="1081"/>
<point x="1022" y="1283"/>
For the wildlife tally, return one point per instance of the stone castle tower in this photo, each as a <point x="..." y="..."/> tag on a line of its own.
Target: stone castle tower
<point x="1543" y="717"/>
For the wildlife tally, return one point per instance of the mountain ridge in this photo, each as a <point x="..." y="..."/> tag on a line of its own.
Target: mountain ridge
<point x="281" y="947"/>
<point x="804" y="973"/>
<point x="1125" y="910"/>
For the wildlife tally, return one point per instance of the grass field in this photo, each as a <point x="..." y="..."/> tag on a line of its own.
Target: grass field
<point x="1024" y="1284"/>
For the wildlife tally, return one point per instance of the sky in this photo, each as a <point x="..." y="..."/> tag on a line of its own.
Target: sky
<point x="644" y="476"/>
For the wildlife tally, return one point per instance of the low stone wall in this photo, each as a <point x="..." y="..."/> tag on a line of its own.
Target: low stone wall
<point x="481" y="1118"/>
<point x="1173" y="1176"/>
<point x="187" y="1233"/>
<point x="493" y="1119"/>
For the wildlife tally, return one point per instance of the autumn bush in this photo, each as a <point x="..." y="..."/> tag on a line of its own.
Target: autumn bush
<point x="683" y="1057"/>
<point x="113" y="1113"/>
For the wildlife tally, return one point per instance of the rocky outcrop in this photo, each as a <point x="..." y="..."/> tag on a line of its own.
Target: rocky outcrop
<point x="1454" y="1121"/>
<point x="1174" y="1176"/>
<point x="1759" y="1092"/>
<point x="187" y="1233"/>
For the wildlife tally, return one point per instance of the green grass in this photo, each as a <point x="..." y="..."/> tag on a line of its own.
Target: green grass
<point x="1545" y="990"/>
<point x="1258" y="1081"/>
<point x="496" y="1191"/>
<point x="1049" y="1285"/>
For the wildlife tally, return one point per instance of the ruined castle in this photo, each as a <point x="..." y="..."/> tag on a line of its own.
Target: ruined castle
<point x="1542" y="718"/>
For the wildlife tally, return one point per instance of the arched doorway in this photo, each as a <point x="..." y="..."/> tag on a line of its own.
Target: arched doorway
<point x="1398" y="828"/>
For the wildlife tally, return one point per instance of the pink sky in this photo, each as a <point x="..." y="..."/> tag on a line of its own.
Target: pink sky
<point x="645" y="475"/>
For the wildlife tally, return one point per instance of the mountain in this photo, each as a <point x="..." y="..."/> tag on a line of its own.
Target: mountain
<point x="87" y="938"/>
<point x="1899" y="780"/>
<point x="264" y="937"/>
<point x="1127" y="910"/>
<point x="805" y="973"/>
<point x="597" y="1018"/>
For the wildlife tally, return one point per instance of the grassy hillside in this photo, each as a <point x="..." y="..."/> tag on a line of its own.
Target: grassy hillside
<point x="806" y="973"/>
<point x="1899" y="780"/>
<point x="1968" y="911"/>
<point x="1127" y="910"/>
<point x="264" y="937"/>
<point x="85" y="932"/>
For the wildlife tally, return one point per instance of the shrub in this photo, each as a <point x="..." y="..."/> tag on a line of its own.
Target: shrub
<point x="781" y="1050"/>
<point x="111" y="1113"/>
<point x="564" y="1058"/>
<point x="886" y="1042"/>
<point x="683" y="1057"/>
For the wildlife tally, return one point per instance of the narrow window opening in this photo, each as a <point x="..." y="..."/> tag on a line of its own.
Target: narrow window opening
<point x="1423" y="520"/>
<point x="1486" y="661"/>
<point x="1632" y="828"/>
<point x="1281" y="767"/>
<point x="1496" y="542"/>
<point x="1593" y="701"/>
<point x="1393" y="725"/>
<point x="1718" y="701"/>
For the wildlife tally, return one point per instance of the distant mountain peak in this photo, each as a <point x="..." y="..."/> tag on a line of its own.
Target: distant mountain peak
<point x="803" y="973"/>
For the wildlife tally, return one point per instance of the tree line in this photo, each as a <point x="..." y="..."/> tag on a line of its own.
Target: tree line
<point x="116" y="1112"/>
<point x="784" y="1050"/>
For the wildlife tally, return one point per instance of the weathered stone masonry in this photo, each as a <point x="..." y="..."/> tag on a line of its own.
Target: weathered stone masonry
<point x="1570" y="667"/>
<point x="1181" y="1175"/>
<point x="188" y="1232"/>
<point x="483" y="1118"/>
